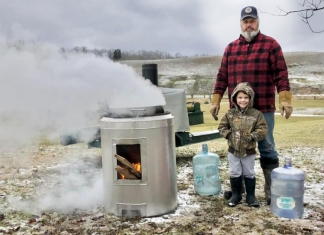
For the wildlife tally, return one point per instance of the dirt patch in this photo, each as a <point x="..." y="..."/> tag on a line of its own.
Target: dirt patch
<point x="38" y="195"/>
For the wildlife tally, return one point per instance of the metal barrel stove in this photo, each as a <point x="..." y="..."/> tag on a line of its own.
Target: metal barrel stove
<point x="147" y="142"/>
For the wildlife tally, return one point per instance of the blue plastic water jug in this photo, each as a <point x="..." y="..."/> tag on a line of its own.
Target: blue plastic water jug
<point x="287" y="191"/>
<point x="206" y="174"/>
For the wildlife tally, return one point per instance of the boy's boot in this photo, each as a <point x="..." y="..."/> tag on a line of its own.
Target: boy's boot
<point x="236" y="185"/>
<point x="250" y="192"/>
<point x="228" y="194"/>
<point x="267" y="165"/>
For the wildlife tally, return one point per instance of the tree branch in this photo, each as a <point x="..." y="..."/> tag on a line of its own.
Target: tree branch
<point x="310" y="7"/>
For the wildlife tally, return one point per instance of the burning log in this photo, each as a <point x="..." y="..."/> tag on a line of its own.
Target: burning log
<point x="125" y="172"/>
<point x="129" y="168"/>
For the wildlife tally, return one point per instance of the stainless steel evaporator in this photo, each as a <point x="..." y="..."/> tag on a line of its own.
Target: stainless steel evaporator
<point x="139" y="164"/>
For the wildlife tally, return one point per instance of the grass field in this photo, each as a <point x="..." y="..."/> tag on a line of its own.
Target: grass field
<point x="293" y="132"/>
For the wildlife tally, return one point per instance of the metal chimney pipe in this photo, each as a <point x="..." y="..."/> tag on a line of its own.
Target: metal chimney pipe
<point x="150" y="71"/>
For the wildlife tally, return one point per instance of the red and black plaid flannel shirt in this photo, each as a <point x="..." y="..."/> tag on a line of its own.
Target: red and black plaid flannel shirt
<point x="259" y="62"/>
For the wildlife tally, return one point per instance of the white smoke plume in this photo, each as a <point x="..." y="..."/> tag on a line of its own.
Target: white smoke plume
<point x="45" y="92"/>
<point x="69" y="187"/>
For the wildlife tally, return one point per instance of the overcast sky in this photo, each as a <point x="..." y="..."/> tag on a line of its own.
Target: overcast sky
<point x="188" y="27"/>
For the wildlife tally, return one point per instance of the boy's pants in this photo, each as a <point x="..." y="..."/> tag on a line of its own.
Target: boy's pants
<point x="241" y="165"/>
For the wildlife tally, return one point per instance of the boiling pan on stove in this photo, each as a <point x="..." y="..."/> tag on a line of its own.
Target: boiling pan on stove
<point x="134" y="112"/>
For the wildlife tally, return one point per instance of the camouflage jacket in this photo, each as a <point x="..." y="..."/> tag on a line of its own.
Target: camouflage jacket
<point x="244" y="128"/>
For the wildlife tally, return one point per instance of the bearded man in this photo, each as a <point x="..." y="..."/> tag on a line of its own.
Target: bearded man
<point x="257" y="59"/>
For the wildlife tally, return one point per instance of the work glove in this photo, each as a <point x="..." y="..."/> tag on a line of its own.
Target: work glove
<point x="216" y="99"/>
<point x="285" y="103"/>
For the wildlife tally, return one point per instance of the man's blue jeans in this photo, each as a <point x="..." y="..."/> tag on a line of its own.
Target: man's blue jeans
<point x="267" y="145"/>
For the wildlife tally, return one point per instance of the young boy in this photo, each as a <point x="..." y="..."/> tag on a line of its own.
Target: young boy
<point x="243" y="126"/>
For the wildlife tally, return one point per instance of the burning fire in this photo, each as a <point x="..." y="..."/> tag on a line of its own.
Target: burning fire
<point x="137" y="166"/>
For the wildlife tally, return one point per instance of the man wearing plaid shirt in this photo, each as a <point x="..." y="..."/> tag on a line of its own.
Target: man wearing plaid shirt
<point x="257" y="59"/>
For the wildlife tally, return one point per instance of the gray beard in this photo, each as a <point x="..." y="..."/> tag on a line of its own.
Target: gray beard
<point x="250" y="35"/>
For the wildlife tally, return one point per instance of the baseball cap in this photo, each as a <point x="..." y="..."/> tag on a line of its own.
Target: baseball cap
<point x="249" y="11"/>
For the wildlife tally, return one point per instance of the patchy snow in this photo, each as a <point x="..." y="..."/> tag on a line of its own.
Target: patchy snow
<point x="49" y="188"/>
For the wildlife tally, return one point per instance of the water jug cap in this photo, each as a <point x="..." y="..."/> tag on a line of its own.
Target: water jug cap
<point x="288" y="161"/>
<point x="204" y="148"/>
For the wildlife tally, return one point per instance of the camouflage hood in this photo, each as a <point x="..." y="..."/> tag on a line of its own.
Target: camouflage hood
<point x="246" y="87"/>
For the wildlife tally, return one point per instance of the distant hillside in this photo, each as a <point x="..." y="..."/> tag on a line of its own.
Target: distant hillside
<point x="197" y="75"/>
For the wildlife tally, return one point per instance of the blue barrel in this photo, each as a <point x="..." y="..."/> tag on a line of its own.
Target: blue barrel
<point x="287" y="191"/>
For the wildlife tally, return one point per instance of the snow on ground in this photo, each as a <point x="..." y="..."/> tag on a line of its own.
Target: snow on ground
<point x="54" y="183"/>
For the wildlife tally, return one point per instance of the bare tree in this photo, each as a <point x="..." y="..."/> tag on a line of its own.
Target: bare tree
<point x="309" y="8"/>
